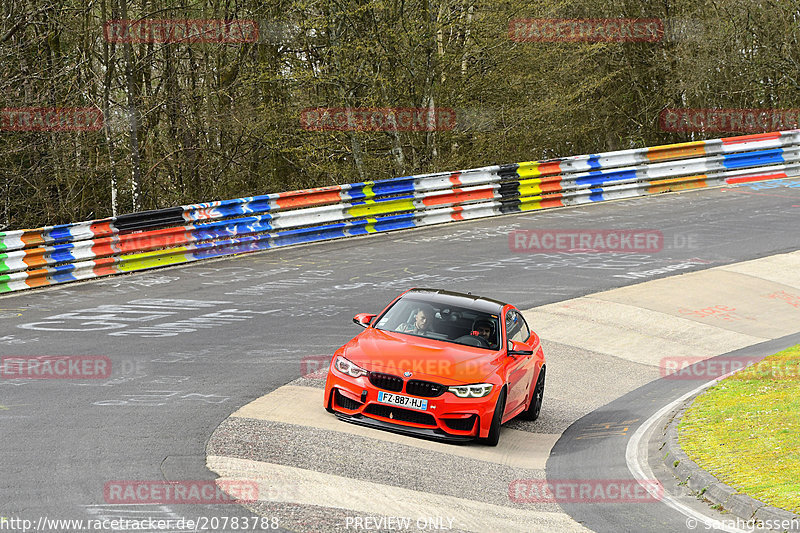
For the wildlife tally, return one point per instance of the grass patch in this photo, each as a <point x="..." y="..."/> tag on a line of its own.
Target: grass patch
<point x="746" y="430"/>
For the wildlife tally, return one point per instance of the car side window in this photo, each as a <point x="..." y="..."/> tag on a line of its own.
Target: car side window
<point x="512" y="325"/>
<point x="524" y="331"/>
<point x="516" y="328"/>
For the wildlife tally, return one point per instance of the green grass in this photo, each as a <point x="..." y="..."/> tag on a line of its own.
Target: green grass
<point x="746" y="430"/>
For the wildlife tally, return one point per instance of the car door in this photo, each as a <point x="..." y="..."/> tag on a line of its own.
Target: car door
<point x="518" y="371"/>
<point x="531" y="341"/>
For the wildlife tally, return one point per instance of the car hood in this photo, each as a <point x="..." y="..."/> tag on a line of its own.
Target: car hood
<point x="430" y="359"/>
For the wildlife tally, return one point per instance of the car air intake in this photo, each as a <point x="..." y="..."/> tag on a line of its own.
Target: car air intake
<point x="400" y="414"/>
<point x="386" y="381"/>
<point x="426" y="389"/>
<point x="460" y="424"/>
<point x="345" y="402"/>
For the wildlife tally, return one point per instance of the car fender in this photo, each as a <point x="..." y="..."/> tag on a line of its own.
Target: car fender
<point x="486" y="419"/>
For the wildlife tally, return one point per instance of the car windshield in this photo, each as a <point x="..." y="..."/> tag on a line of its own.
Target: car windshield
<point x="459" y="325"/>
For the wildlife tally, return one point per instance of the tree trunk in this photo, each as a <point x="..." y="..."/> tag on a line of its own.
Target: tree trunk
<point x="133" y="118"/>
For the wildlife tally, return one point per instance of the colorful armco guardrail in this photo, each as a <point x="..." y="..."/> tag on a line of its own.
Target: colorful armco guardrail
<point x="150" y="239"/>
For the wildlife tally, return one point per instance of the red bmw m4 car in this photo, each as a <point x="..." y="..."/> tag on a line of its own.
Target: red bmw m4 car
<point x="441" y="365"/>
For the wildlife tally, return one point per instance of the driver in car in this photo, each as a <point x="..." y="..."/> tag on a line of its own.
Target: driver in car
<point x="484" y="329"/>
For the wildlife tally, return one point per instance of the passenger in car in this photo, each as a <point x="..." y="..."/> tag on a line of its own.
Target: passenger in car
<point x="422" y="322"/>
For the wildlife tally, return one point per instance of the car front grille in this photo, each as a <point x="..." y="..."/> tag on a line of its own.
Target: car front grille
<point x="460" y="424"/>
<point x="386" y="381"/>
<point x="427" y="389"/>
<point x="403" y="415"/>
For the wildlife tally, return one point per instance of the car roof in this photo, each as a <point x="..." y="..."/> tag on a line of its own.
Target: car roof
<point x="443" y="297"/>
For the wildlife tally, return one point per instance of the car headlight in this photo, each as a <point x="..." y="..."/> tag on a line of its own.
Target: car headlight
<point x="479" y="390"/>
<point x="346" y="367"/>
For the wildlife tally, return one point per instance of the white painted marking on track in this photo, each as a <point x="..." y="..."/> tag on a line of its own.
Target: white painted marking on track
<point x="287" y="484"/>
<point x="636" y="458"/>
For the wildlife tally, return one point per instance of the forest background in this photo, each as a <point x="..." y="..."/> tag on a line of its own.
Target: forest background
<point x="186" y="122"/>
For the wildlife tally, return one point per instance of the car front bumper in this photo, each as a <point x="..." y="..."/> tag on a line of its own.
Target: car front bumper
<point x="447" y="417"/>
<point x="434" y="434"/>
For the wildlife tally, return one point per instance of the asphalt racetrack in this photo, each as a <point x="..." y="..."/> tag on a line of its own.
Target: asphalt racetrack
<point x="190" y="345"/>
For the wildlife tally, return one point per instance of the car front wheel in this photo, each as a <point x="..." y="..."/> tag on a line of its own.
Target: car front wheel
<point x="497" y="419"/>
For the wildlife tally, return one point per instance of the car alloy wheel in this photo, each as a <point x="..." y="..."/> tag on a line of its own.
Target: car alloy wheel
<point x="533" y="410"/>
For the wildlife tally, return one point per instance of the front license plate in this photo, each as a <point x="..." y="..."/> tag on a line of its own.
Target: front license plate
<point x="402" y="401"/>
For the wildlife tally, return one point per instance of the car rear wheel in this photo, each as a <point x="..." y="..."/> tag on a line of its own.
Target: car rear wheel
<point x="497" y="419"/>
<point x="533" y="410"/>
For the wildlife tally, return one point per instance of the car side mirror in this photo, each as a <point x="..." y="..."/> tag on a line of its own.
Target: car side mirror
<point x="363" y="319"/>
<point x="518" y="348"/>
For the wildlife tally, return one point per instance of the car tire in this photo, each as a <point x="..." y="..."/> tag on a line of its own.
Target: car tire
<point x="535" y="407"/>
<point x="497" y="419"/>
